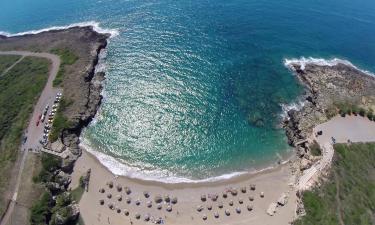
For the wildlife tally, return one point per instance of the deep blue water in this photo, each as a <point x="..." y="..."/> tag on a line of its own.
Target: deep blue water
<point x="194" y="87"/>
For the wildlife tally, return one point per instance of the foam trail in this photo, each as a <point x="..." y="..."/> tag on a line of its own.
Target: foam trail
<point x="297" y="105"/>
<point x="94" y="24"/>
<point x="302" y="62"/>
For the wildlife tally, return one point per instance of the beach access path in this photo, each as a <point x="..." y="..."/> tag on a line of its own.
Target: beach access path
<point x="342" y="129"/>
<point x="33" y="132"/>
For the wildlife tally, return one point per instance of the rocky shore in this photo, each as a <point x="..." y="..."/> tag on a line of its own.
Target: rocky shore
<point x="81" y="86"/>
<point x="326" y="87"/>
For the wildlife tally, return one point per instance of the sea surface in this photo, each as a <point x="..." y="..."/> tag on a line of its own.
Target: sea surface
<point x="196" y="89"/>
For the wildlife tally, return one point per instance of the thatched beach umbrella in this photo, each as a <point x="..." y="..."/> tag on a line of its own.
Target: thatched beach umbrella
<point x="158" y="199"/>
<point x="169" y="208"/>
<point x="262" y="194"/>
<point x="137" y="216"/>
<point x="238" y="210"/>
<point x="243" y="189"/>
<point x="225" y="195"/>
<point x="109" y="195"/>
<point x="209" y="207"/>
<point x="146" y="194"/>
<point x="252" y="187"/>
<point x="199" y="208"/>
<point x="101" y="202"/>
<point x="119" y="188"/>
<point x="101" y="190"/>
<point x="110" y="205"/>
<point x="118" y="210"/>
<point x="174" y="200"/>
<point x="204" y="217"/>
<point x="214" y="197"/>
<point x="128" y="200"/>
<point x="227" y="212"/>
<point x="234" y="192"/>
<point x="203" y="198"/>
<point x="158" y="206"/>
<point x="158" y="220"/>
<point x="146" y="217"/>
<point x="137" y="202"/>
<point x="149" y="204"/>
<point x="220" y="205"/>
<point x="251" y="198"/>
<point x="216" y="215"/>
<point x="230" y="203"/>
<point x="250" y="207"/>
<point x="127" y="190"/>
<point x="110" y="184"/>
<point x="126" y="212"/>
<point x="240" y="201"/>
<point x="119" y="198"/>
<point x="167" y="198"/>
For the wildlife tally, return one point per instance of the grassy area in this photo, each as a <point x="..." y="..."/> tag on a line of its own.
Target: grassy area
<point x="7" y="60"/>
<point x="67" y="58"/>
<point x="349" y="194"/>
<point x="50" y="163"/>
<point x="19" y="91"/>
<point x="60" y="121"/>
<point x="41" y="209"/>
<point x="315" y="149"/>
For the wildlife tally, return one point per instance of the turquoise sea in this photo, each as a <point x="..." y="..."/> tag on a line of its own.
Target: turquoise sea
<point x="195" y="89"/>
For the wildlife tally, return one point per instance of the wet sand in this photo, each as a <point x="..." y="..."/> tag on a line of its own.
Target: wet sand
<point x="273" y="182"/>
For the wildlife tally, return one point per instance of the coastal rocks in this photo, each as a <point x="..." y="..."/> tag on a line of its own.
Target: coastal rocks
<point x="63" y="179"/>
<point x="271" y="210"/>
<point x="65" y="215"/>
<point x="282" y="200"/>
<point x="305" y="164"/>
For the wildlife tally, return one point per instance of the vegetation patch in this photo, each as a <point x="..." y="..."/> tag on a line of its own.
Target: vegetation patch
<point x="20" y="88"/>
<point x="50" y="163"/>
<point x="315" y="149"/>
<point x="60" y="121"/>
<point x="67" y="57"/>
<point x="349" y="194"/>
<point x="6" y="61"/>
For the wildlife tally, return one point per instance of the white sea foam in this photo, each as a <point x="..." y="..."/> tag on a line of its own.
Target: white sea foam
<point x="94" y="24"/>
<point x="121" y="169"/>
<point x="296" y="105"/>
<point x="302" y="62"/>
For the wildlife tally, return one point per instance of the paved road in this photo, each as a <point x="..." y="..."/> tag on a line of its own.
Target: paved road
<point x="33" y="131"/>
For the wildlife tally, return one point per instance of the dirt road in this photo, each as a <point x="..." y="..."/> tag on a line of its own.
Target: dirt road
<point x="33" y="131"/>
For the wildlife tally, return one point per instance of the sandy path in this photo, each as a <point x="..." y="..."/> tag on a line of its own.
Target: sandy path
<point x="33" y="132"/>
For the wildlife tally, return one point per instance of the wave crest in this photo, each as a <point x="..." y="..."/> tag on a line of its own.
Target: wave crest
<point x="95" y="25"/>
<point x="302" y="62"/>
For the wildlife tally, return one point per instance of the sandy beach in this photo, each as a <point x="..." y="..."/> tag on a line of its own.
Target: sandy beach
<point x="273" y="182"/>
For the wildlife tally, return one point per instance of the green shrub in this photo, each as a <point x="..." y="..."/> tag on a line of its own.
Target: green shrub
<point x="50" y="163"/>
<point x="362" y="112"/>
<point x="315" y="149"/>
<point x="67" y="57"/>
<point x="40" y="211"/>
<point x="60" y="121"/>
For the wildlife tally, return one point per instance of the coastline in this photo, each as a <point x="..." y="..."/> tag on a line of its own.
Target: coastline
<point x="106" y="161"/>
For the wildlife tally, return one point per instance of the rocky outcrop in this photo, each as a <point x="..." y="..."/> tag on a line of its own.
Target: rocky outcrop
<point x="325" y="87"/>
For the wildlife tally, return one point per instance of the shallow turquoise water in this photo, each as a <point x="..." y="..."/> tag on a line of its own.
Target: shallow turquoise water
<point x="194" y="87"/>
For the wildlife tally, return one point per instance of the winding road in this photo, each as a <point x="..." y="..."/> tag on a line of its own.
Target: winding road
<point x="33" y="131"/>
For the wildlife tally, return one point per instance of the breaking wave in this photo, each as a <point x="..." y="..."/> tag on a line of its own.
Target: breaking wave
<point x="119" y="168"/>
<point x="94" y="24"/>
<point x="302" y="62"/>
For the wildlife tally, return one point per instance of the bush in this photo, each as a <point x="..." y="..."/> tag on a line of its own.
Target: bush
<point x="40" y="211"/>
<point x="362" y="112"/>
<point x="315" y="149"/>
<point x="60" y="121"/>
<point x="67" y="57"/>
<point x="50" y="163"/>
